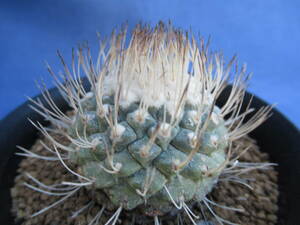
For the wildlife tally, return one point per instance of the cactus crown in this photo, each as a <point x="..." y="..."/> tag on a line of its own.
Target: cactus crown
<point x="148" y="137"/>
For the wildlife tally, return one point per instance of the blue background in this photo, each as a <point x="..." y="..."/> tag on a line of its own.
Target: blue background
<point x="264" y="33"/>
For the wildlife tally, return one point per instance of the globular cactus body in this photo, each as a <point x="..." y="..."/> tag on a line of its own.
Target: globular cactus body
<point x="146" y="167"/>
<point x="148" y="137"/>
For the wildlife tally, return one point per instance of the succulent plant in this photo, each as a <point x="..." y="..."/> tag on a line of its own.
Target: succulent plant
<point x="148" y="137"/>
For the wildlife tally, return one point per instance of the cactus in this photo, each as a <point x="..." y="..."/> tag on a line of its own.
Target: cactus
<point x="148" y="137"/>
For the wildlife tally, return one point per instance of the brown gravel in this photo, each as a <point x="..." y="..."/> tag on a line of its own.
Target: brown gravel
<point x="260" y="204"/>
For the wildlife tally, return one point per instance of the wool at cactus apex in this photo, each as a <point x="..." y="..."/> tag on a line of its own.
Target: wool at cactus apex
<point x="263" y="34"/>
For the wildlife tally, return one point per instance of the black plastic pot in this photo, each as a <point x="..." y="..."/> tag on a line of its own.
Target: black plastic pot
<point x="278" y="137"/>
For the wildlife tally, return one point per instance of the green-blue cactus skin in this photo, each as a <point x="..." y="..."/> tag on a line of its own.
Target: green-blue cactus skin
<point x="188" y="184"/>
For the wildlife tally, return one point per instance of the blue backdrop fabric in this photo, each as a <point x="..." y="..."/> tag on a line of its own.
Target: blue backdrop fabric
<point x="264" y="34"/>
